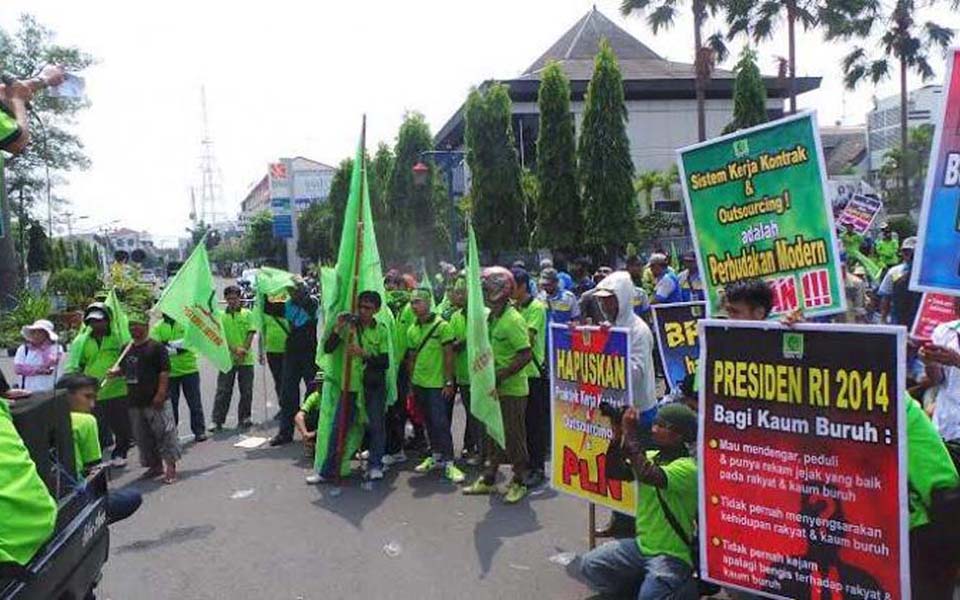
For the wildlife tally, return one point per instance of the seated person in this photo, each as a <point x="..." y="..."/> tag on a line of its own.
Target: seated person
<point x="658" y="563"/>
<point x="306" y="419"/>
<point x="81" y="396"/>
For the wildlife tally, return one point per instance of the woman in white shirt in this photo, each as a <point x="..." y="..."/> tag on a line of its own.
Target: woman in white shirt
<point x="37" y="362"/>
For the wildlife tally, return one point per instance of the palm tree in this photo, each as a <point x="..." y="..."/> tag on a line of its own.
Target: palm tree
<point x="759" y="21"/>
<point x="904" y="41"/>
<point x="662" y="15"/>
<point x="645" y="184"/>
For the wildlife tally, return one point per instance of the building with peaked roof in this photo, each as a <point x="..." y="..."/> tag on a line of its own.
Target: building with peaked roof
<point x="660" y="95"/>
<point x="844" y="150"/>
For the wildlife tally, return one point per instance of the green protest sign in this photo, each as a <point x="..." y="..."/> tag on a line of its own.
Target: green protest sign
<point x="757" y="210"/>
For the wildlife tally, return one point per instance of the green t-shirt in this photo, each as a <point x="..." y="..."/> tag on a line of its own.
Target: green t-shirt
<point x="182" y="361"/>
<point x="275" y="331"/>
<point x="655" y="536"/>
<point x="404" y="321"/>
<point x="535" y="314"/>
<point x="98" y="357"/>
<point x="508" y="336"/>
<point x="375" y="340"/>
<point x="86" y="440"/>
<point x="929" y="466"/>
<point x="236" y="326"/>
<point x="458" y="327"/>
<point x="9" y="130"/>
<point x="428" y="363"/>
<point x="888" y="251"/>
<point x="28" y="511"/>
<point x="311" y="403"/>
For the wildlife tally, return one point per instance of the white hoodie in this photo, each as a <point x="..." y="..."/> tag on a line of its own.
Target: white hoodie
<point x="642" y="374"/>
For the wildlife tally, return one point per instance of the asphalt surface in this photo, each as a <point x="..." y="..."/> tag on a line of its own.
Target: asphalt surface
<point x="243" y="524"/>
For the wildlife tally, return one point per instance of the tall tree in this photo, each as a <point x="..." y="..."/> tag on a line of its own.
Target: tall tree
<point x="662" y="15"/>
<point x="759" y="20"/>
<point x="259" y="241"/>
<point x="904" y="41"/>
<point x="316" y="241"/>
<point x="38" y="249"/>
<point x="54" y="148"/>
<point x="415" y="210"/>
<point x="749" y="93"/>
<point x="495" y="191"/>
<point x="339" y="192"/>
<point x="380" y="169"/>
<point x="606" y="168"/>
<point x="559" y="213"/>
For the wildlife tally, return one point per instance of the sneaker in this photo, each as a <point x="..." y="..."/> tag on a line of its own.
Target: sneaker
<point x="451" y="472"/>
<point x="216" y="428"/>
<point x="247" y="424"/>
<point x="534" y="479"/>
<point x="315" y="478"/>
<point x="200" y="437"/>
<point x="375" y="474"/>
<point x="280" y="440"/>
<point x="473" y="459"/>
<point x="515" y="493"/>
<point x="479" y="488"/>
<point x="365" y="455"/>
<point x="118" y="462"/>
<point x="427" y="465"/>
<point x="395" y="459"/>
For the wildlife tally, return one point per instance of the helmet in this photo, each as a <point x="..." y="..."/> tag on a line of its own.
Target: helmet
<point x="498" y="284"/>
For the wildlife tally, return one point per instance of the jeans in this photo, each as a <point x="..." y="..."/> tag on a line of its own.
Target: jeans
<point x="113" y="421"/>
<point x="221" y="403"/>
<point x="297" y="367"/>
<point x="434" y="407"/>
<point x="275" y="362"/>
<point x="538" y="422"/>
<point x="121" y="504"/>
<point x="190" y="384"/>
<point x="376" y="400"/>
<point x="618" y="568"/>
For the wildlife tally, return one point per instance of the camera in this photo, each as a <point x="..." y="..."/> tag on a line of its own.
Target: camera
<point x="614" y="413"/>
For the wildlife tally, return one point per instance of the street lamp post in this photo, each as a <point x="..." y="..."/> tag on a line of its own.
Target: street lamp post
<point x="447" y="160"/>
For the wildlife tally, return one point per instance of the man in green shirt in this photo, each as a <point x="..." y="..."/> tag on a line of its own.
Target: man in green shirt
<point x="184" y="374"/>
<point x="29" y="512"/>
<point x="473" y="432"/>
<point x="98" y="353"/>
<point x="273" y="343"/>
<point x="659" y="562"/>
<point x="887" y="248"/>
<point x="368" y="342"/>
<point x="537" y="417"/>
<point x="430" y="363"/>
<point x="510" y="344"/>
<point x="239" y="329"/>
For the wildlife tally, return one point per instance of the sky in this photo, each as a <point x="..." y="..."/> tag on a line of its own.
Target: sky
<point x="289" y="78"/>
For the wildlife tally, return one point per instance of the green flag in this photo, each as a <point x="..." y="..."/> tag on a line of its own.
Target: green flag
<point x="674" y="257"/>
<point x="358" y="269"/>
<point x="191" y="300"/>
<point x="872" y="268"/>
<point x="119" y="328"/>
<point x="269" y="282"/>
<point x="483" y="378"/>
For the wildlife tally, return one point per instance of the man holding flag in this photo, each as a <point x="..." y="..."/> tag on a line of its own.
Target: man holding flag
<point x="342" y="413"/>
<point x="96" y="349"/>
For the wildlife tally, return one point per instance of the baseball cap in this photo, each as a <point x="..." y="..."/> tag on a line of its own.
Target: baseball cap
<point x="909" y="244"/>
<point x="657" y="259"/>
<point x="548" y="275"/>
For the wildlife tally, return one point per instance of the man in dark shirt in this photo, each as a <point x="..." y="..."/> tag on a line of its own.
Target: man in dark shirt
<point x="299" y="363"/>
<point x="146" y="368"/>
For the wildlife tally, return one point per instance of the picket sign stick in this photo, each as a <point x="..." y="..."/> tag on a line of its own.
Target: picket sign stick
<point x="592" y="523"/>
<point x="116" y="365"/>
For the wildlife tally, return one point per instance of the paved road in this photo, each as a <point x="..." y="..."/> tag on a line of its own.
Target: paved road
<point x="411" y="537"/>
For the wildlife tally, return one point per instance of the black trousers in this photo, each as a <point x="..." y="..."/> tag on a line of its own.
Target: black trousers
<point x="275" y="362"/>
<point x="113" y="421"/>
<point x="297" y="367"/>
<point x="538" y="422"/>
<point x="397" y="414"/>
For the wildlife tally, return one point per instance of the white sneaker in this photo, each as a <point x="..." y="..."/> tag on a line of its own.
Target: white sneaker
<point x="395" y="459"/>
<point x="315" y="478"/>
<point x="375" y="474"/>
<point x="118" y="462"/>
<point x="365" y="455"/>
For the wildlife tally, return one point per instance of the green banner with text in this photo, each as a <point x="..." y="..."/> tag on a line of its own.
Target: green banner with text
<point x="758" y="210"/>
